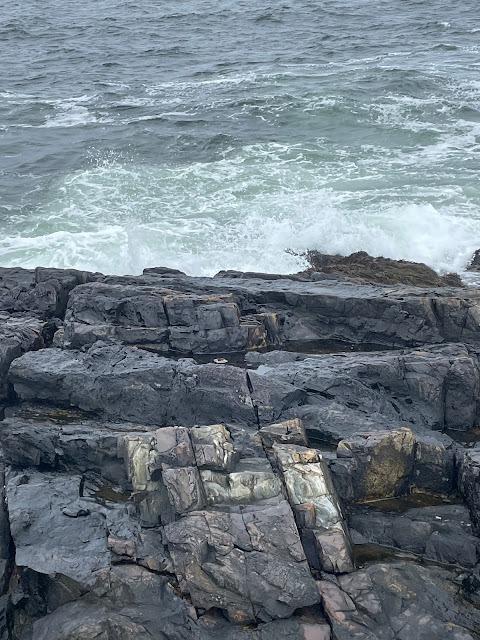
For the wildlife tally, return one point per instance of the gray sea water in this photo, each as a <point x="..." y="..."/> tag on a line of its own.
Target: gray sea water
<point x="209" y="135"/>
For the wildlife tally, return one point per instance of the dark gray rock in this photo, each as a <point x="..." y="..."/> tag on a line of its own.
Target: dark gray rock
<point x="128" y="602"/>
<point x="333" y="308"/>
<point x="119" y="513"/>
<point x="77" y="446"/>
<point x="432" y="388"/>
<point x="399" y="601"/>
<point x="17" y="336"/>
<point x="40" y="528"/>
<point x="390" y="389"/>
<point x="143" y="314"/>
<point x="469" y="482"/>
<point x="41" y="292"/>
<point x="434" y="464"/>
<point x="309" y="625"/>
<point x="132" y="315"/>
<point x="250" y="563"/>
<point x="124" y="383"/>
<point x="6" y="561"/>
<point x="442" y="533"/>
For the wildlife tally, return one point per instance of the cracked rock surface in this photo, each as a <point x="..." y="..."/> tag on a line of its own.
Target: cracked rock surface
<point x="243" y="457"/>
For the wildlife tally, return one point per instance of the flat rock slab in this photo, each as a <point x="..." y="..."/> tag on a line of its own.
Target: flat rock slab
<point x="50" y="523"/>
<point x="443" y="533"/>
<point x="124" y="383"/>
<point x="333" y="308"/>
<point x="435" y="387"/>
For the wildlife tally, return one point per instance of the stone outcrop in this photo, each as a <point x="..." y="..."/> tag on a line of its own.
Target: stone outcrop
<point x="365" y="268"/>
<point x="234" y="312"/>
<point x="163" y="319"/>
<point x="442" y="533"/>
<point x="309" y="471"/>
<point x="398" y="601"/>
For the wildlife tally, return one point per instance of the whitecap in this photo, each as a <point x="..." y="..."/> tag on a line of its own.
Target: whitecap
<point x="70" y="115"/>
<point x="243" y="212"/>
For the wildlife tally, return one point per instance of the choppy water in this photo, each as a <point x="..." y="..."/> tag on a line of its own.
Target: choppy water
<point x="209" y="135"/>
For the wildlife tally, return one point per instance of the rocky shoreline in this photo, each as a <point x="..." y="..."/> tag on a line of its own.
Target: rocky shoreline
<point x="244" y="457"/>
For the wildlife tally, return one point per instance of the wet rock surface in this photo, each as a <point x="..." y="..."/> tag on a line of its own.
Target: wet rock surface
<point x="154" y="488"/>
<point x="365" y="268"/>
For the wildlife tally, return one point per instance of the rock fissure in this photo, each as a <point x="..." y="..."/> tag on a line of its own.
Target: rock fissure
<point x="216" y="527"/>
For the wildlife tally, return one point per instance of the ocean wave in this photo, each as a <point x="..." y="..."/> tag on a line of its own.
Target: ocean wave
<point x="70" y="115"/>
<point x="242" y="212"/>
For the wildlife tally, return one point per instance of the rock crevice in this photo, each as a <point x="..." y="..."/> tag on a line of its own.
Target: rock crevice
<point x="237" y="458"/>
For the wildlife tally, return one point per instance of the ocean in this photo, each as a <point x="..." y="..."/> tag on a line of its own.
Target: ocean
<point x="207" y="135"/>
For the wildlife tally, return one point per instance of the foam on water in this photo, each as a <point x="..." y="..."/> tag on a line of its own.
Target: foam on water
<point x="70" y="114"/>
<point x="133" y="138"/>
<point x="241" y="212"/>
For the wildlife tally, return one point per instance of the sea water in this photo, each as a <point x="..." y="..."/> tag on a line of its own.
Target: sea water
<point x="207" y="135"/>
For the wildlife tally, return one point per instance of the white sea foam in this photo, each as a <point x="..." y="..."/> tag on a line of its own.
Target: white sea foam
<point x="70" y="114"/>
<point x="241" y="212"/>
